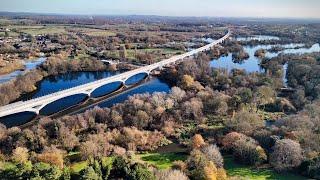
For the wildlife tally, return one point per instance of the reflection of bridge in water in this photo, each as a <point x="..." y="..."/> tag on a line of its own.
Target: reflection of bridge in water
<point x="89" y="89"/>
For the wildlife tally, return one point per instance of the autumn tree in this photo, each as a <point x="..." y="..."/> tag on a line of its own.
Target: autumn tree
<point x="20" y="155"/>
<point x="286" y="155"/>
<point x="197" y="141"/>
<point x="213" y="154"/>
<point x="170" y="175"/>
<point x="245" y="122"/>
<point x="52" y="156"/>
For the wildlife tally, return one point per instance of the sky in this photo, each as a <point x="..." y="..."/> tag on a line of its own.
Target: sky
<point x="214" y="8"/>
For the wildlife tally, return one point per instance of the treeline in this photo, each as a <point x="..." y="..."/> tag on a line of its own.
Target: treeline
<point x="302" y="75"/>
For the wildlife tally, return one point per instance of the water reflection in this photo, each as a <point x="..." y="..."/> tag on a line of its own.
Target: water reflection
<point x="17" y="119"/>
<point x="151" y="86"/>
<point x="258" y="38"/>
<point x="30" y="64"/>
<point x="253" y="63"/>
<point x="60" y="82"/>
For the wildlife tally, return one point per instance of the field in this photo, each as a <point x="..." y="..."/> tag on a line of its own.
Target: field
<point x="161" y="160"/>
<point x="160" y="53"/>
<point x="92" y="31"/>
<point x="36" y="30"/>
<point x="247" y="172"/>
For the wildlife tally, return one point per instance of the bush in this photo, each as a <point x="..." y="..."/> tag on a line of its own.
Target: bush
<point x="213" y="154"/>
<point x="229" y="140"/>
<point x="311" y="168"/>
<point x="248" y="152"/>
<point x="197" y="141"/>
<point x="245" y="122"/>
<point x="170" y="175"/>
<point x="139" y="172"/>
<point x="89" y="174"/>
<point x="287" y="154"/>
<point x="20" y="155"/>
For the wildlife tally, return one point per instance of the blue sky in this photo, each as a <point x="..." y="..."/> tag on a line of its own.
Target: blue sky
<point x="221" y="8"/>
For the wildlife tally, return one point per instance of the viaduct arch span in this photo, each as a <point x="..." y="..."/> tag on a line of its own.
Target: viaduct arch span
<point x="35" y="105"/>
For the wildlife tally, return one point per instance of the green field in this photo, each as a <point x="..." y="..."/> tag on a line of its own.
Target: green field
<point x="247" y="172"/>
<point x="162" y="160"/>
<point x="92" y="31"/>
<point x="159" y="52"/>
<point x="39" y="29"/>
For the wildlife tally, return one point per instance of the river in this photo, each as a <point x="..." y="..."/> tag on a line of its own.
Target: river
<point x="29" y="65"/>
<point x="56" y="83"/>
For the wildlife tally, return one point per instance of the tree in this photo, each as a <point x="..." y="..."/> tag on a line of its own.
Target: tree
<point x="229" y="140"/>
<point x="177" y="94"/>
<point x="46" y="171"/>
<point x="197" y="141"/>
<point x="192" y="110"/>
<point x="286" y="155"/>
<point x="89" y="174"/>
<point x="68" y="138"/>
<point x="213" y="154"/>
<point x="123" y="52"/>
<point x="187" y="81"/>
<point x="52" y="156"/>
<point x="247" y="151"/>
<point x="216" y="105"/>
<point x="20" y="155"/>
<point x="264" y="95"/>
<point x="245" y="94"/>
<point x="170" y="175"/>
<point x="140" y="172"/>
<point x="210" y="171"/>
<point x="245" y="122"/>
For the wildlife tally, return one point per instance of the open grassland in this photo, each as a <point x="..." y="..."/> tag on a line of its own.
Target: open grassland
<point x="160" y="52"/>
<point x="39" y="29"/>
<point x="162" y="160"/>
<point x="251" y="173"/>
<point x="92" y="31"/>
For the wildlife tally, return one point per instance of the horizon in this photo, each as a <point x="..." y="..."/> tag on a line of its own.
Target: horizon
<point x="162" y="16"/>
<point x="207" y="8"/>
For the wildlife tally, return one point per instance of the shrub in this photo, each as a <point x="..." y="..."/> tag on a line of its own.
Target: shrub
<point x="89" y="174"/>
<point x="286" y="155"/>
<point x="311" y="168"/>
<point x="53" y="157"/>
<point x="197" y="141"/>
<point x="248" y="152"/>
<point x="20" y="155"/>
<point x="170" y="175"/>
<point x="139" y="172"/>
<point x="230" y="139"/>
<point x="245" y="122"/>
<point x="213" y="154"/>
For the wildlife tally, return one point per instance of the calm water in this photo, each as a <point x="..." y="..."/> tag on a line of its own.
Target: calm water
<point x="28" y="66"/>
<point x="151" y="86"/>
<point x="258" y="38"/>
<point x="57" y="83"/>
<point x="253" y="63"/>
<point x="53" y="84"/>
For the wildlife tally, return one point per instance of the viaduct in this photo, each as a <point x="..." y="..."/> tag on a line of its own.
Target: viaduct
<point x="35" y="105"/>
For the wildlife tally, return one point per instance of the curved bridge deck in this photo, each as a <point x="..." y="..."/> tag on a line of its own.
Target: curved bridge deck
<point x="35" y="105"/>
